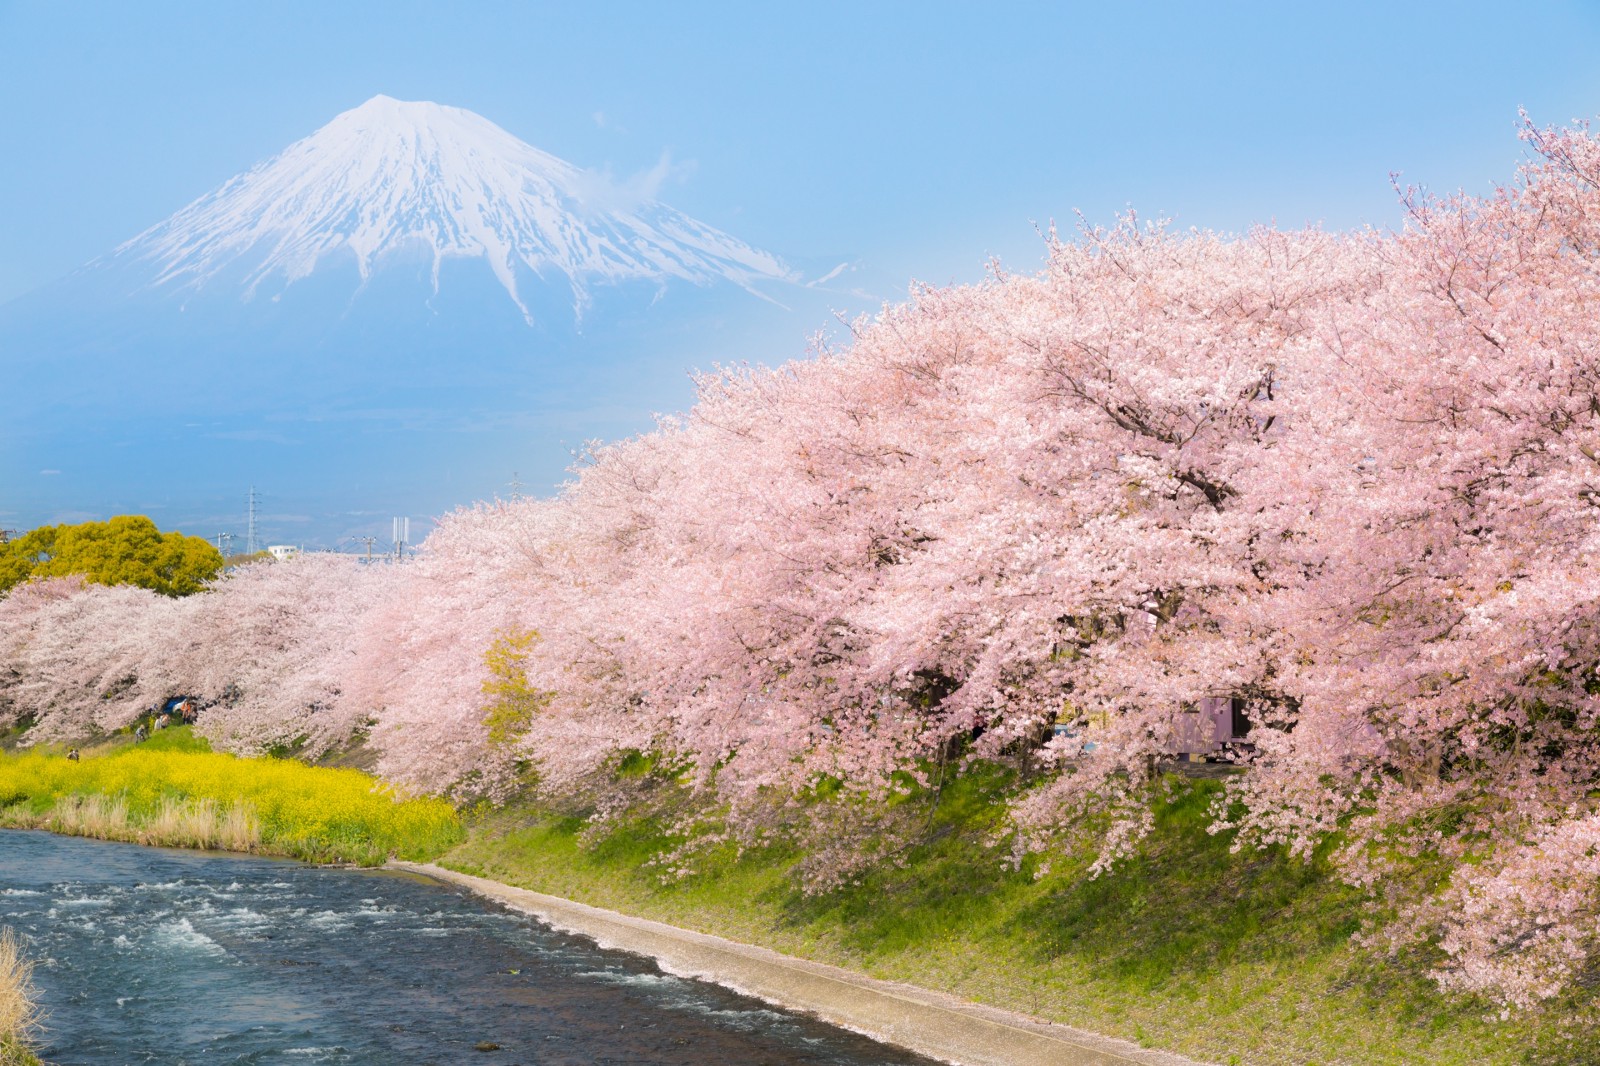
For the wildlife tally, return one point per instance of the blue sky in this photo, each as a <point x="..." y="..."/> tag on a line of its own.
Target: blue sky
<point x="919" y="138"/>
<point x="916" y="140"/>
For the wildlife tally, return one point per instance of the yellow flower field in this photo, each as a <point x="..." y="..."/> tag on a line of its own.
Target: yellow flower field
<point x="280" y="806"/>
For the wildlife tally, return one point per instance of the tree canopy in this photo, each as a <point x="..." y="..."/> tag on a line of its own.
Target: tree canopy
<point x="127" y="550"/>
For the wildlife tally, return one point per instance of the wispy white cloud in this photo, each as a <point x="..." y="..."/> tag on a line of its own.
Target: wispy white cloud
<point x="830" y="275"/>
<point x="604" y="191"/>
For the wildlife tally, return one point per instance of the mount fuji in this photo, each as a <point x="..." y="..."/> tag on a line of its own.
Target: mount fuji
<point x="393" y="313"/>
<point x="392" y="180"/>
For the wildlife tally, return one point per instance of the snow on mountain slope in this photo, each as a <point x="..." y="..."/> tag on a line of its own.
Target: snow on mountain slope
<point x="393" y="178"/>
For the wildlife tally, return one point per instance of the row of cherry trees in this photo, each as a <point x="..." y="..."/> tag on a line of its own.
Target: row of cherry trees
<point x="1352" y="480"/>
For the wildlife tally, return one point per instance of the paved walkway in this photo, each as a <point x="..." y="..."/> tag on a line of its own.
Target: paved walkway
<point x="930" y="1023"/>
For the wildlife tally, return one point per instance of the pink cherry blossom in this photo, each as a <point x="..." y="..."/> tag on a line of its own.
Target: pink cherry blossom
<point x="1349" y="480"/>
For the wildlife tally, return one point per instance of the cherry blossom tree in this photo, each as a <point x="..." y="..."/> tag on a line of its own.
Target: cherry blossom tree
<point x="81" y="658"/>
<point x="271" y="647"/>
<point x="1347" y="480"/>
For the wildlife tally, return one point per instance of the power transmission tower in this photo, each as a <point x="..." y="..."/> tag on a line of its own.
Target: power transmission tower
<point x="402" y="533"/>
<point x="516" y="486"/>
<point x="370" y="541"/>
<point x="250" y="544"/>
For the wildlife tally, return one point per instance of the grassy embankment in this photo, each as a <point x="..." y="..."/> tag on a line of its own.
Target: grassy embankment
<point x="18" y="1015"/>
<point x="173" y="790"/>
<point x="1231" y="958"/>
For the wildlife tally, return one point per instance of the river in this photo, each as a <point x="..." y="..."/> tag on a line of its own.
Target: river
<point x="151" y="955"/>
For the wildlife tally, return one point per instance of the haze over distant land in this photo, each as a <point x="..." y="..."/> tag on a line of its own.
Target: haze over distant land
<point x="397" y="315"/>
<point x="912" y="145"/>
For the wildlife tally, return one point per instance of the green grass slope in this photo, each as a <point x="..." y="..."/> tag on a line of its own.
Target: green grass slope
<point x="1231" y="958"/>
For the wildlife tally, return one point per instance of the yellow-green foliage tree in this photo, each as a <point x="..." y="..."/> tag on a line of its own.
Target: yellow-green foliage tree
<point x="127" y="550"/>
<point x="512" y="701"/>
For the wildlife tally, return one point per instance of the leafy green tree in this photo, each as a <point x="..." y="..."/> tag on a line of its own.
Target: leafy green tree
<point x="127" y="550"/>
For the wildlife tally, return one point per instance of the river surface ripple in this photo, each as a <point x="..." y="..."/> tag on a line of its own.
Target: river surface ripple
<point x="147" y="955"/>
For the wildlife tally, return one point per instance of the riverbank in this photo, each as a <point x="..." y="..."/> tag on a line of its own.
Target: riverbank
<point x="1244" y="959"/>
<point x="18" y="1014"/>
<point x="1235" y="959"/>
<point x="939" y="1026"/>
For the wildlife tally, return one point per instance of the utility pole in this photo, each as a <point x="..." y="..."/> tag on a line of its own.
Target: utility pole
<point x="251" y="546"/>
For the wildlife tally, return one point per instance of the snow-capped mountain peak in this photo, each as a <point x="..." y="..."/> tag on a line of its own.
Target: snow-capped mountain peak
<point x="395" y="177"/>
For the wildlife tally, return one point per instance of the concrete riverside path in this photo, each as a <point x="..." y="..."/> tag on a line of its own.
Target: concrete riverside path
<point x="929" y="1023"/>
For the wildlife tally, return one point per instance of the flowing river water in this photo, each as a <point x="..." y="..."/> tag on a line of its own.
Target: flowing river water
<point x="147" y="955"/>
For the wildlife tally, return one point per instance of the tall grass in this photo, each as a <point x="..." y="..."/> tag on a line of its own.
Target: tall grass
<point x="19" y="1015"/>
<point x="165" y="794"/>
<point x="175" y="822"/>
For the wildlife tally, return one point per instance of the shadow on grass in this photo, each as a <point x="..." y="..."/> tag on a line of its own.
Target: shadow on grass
<point x="1185" y="918"/>
<point x="1186" y="906"/>
<point x="1187" y="940"/>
